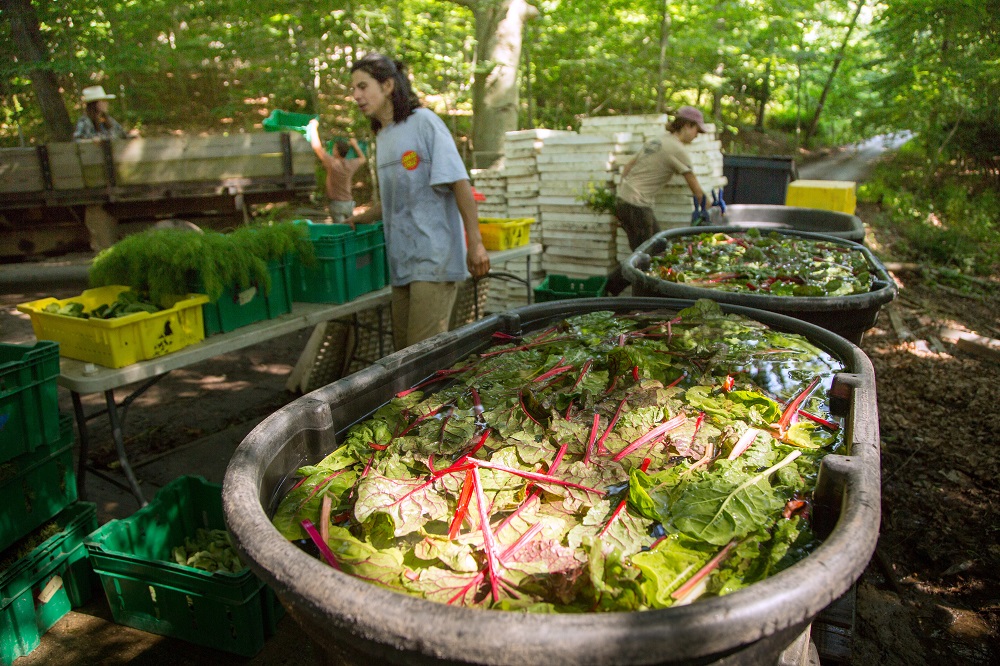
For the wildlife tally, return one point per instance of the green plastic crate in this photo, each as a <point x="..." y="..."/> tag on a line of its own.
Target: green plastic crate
<point x="557" y="287"/>
<point x="240" y="306"/>
<point x="42" y="586"/>
<point x="29" y="399"/>
<point x="351" y="154"/>
<point x="318" y="230"/>
<point x="37" y="485"/>
<point x="348" y="265"/>
<point x="287" y="121"/>
<point x="147" y="590"/>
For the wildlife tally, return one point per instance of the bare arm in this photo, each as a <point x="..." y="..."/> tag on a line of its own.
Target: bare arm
<point x="478" y="261"/>
<point x="692" y="182"/>
<point x="358" y="151"/>
<point x="628" y="167"/>
<point x="314" y="141"/>
<point x="373" y="214"/>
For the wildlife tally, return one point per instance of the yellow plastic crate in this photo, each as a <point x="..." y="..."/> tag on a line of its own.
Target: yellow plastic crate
<point x="835" y="195"/>
<point x="123" y="341"/>
<point x="501" y="233"/>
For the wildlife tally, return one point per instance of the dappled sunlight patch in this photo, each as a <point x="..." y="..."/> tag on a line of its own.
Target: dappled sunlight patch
<point x="272" y="368"/>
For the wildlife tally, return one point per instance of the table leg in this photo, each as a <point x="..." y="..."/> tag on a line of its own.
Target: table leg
<point x="84" y="435"/>
<point x="527" y="278"/>
<point x="119" y="437"/>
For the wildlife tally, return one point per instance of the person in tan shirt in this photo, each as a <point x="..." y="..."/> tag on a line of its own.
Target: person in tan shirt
<point x="339" y="172"/>
<point x="647" y="173"/>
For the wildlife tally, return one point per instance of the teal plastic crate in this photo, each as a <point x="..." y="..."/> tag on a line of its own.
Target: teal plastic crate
<point x="319" y="231"/>
<point x="243" y="305"/>
<point x="37" y="486"/>
<point x="147" y="590"/>
<point x="351" y="154"/>
<point x="348" y="265"/>
<point x="44" y="583"/>
<point x="557" y="287"/>
<point x="287" y="121"/>
<point x="29" y="399"/>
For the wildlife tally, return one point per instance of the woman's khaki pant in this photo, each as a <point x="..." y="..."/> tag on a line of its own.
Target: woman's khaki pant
<point x="421" y="310"/>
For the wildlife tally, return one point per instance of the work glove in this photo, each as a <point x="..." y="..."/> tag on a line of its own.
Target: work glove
<point x="700" y="215"/>
<point x="717" y="200"/>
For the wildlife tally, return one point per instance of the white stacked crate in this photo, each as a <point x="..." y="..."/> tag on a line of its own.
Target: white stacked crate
<point x="578" y="242"/>
<point x="673" y="205"/>
<point x="492" y="184"/>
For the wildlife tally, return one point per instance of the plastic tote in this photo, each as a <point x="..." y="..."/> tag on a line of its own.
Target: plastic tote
<point x="42" y="586"/>
<point x="814" y="220"/>
<point x="29" y="398"/>
<point x="37" y="485"/>
<point x="287" y="121"/>
<point x="147" y="590"/>
<point x="122" y="341"/>
<point x="356" y="622"/>
<point x="849" y="316"/>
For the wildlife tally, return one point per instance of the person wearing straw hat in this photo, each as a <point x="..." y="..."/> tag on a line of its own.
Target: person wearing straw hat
<point x="96" y="123"/>
<point x="648" y="172"/>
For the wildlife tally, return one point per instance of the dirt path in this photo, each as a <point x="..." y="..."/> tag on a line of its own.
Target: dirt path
<point x="852" y="162"/>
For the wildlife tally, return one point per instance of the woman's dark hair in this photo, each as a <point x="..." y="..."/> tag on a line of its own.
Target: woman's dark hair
<point x="95" y="117"/>
<point x="403" y="99"/>
<point x="342" y="148"/>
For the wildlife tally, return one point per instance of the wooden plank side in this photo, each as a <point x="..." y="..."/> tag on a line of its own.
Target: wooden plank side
<point x="66" y="167"/>
<point x="20" y="170"/>
<point x="148" y="161"/>
<point x="92" y="164"/>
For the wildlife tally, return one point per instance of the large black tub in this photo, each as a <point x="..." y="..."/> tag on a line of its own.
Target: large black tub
<point x="848" y="316"/>
<point x="814" y="220"/>
<point x="355" y="622"/>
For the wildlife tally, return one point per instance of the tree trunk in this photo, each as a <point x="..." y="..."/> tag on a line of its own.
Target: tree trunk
<point x="499" y="26"/>
<point x="833" y="72"/>
<point x="765" y="96"/>
<point x="661" y="83"/>
<point x="28" y="40"/>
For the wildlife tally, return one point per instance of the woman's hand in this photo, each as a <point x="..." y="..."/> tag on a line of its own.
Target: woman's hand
<point x="478" y="261"/>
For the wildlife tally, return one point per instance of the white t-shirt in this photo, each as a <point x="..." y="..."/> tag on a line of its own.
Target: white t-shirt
<point x="424" y="234"/>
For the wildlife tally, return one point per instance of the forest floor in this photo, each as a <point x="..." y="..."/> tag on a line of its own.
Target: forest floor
<point x="931" y="595"/>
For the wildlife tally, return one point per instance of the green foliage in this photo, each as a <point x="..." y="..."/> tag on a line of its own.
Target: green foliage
<point x="954" y="224"/>
<point x="600" y="198"/>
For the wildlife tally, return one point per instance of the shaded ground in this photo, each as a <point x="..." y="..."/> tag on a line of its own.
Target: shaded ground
<point x="932" y="594"/>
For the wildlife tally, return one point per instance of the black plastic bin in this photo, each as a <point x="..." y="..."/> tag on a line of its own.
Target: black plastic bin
<point x="757" y="179"/>
<point x="356" y="622"/>
<point x="848" y="316"/>
<point x="815" y="220"/>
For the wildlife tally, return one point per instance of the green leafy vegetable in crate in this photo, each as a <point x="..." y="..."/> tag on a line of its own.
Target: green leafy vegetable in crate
<point x="209" y="550"/>
<point x="126" y="303"/>
<point x="167" y="262"/>
<point x="608" y="463"/>
<point x="771" y="264"/>
<point x="13" y="554"/>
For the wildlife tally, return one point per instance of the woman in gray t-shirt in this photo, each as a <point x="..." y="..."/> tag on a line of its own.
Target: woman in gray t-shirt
<point x="430" y="219"/>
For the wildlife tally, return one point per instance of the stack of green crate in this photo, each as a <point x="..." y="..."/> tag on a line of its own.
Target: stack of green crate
<point x="148" y="590"/>
<point x="350" y="263"/>
<point x="40" y="583"/>
<point x="44" y="568"/>
<point x="29" y="401"/>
